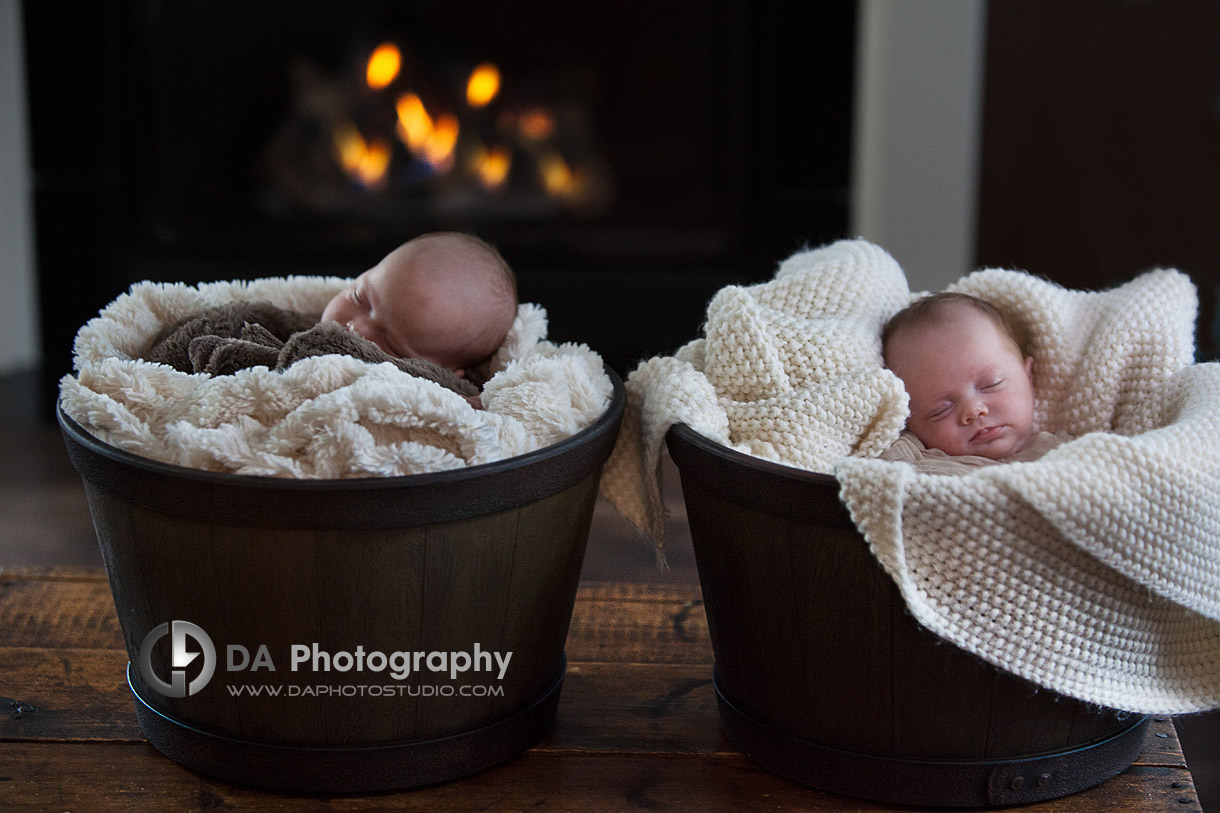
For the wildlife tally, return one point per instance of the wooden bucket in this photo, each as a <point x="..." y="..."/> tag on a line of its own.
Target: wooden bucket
<point x="823" y="677"/>
<point x="480" y="562"/>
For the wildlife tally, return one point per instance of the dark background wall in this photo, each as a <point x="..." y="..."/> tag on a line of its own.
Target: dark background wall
<point x="1101" y="143"/>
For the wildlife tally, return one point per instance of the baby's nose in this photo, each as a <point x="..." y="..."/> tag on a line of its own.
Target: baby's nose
<point x="973" y="410"/>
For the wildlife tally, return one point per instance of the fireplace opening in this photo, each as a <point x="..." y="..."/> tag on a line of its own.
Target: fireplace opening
<point x="380" y="140"/>
<point x="290" y="131"/>
<point x="627" y="161"/>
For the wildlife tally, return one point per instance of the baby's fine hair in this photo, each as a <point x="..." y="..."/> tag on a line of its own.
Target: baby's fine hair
<point x="509" y="279"/>
<point x="933" y="309"/>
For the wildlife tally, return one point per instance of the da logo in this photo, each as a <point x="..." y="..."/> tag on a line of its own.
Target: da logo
<point x="180" y="658"/>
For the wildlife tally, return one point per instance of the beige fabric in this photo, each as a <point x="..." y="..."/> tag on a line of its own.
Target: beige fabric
<point x="910" y="449"/>
<point x="329" y="416"/>
<point x="789" y="370"/>
<point x="1093" y="571"/>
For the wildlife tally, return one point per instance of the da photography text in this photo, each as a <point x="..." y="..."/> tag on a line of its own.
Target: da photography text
<point x="398" y="664"/>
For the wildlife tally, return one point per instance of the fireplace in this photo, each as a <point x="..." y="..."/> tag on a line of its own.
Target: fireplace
<point x="626" y="160"/>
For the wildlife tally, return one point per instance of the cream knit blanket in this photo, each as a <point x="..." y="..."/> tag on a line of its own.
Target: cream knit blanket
<point x="788" y="370"/>
<point x="324" y="417"/>
<point x="1094" y="571"/>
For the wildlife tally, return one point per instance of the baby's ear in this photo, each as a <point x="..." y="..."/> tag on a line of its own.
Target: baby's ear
<point x="1029" y="367"/>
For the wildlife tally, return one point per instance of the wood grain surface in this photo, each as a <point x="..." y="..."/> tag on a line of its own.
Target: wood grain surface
<point x="637" y="725"/>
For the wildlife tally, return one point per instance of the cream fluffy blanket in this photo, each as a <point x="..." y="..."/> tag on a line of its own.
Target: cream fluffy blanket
<point x="1094" y="571"/>
<point x="324" y="417"/>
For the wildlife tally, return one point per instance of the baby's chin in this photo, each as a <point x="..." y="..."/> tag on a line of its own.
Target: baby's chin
<point x="991" y="454"/>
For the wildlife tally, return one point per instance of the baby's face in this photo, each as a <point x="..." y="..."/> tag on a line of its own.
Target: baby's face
<point x="412" y="306"/>
<point x="365" y="307"/>
<point x="971" y="391"/>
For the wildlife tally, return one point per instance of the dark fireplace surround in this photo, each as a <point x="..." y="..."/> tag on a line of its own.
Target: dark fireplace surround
<point x="182" y="141"/>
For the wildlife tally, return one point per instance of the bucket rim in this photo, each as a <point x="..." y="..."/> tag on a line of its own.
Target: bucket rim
<point x="774" y="488"/>
<point x="693" y="437"/>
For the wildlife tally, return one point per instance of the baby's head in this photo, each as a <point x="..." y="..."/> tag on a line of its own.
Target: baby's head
<point x="445" y="297"/>
<point x="969" y="380"/>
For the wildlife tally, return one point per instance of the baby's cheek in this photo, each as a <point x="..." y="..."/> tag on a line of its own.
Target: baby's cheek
<point x="944" y="437"/>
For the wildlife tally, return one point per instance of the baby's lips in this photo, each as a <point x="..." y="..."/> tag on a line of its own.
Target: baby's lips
<point x="986" y="433"/>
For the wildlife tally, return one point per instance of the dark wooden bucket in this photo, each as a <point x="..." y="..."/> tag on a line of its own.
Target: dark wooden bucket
<point x="824" y="678"/>
<point x="477" y="561"/>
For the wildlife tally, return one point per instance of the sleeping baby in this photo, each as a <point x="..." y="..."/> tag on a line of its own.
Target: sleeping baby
<point x="970" y="386"/>
<point x="438" y="307"/>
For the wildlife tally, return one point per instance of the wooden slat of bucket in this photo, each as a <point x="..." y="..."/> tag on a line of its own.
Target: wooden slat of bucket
<point x="946" y="696"/>
<point x="795" y="660"/>
<point x="113" y="519"/>
<point x="1044" y="722"/>
<point x="773" y="685"/>
<point x="543" y="582"/>
<point x="515" y="574"/>
<point x="478" y="556"/>
<point x="838" y="620"/>
<point x="1089" y="723"/>
<point x="365" y="588"/>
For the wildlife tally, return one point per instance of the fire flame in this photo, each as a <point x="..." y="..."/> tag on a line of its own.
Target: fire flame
<point x="440" y="146"/>
<point x="414" y="123"/>
<point x="555" y="173"/>
<point x="367" y="162"/>
<point x="492" y="166"/>
<point x="434" y="141"/>
<point x="383" y="66"/>
<point x="483" y="85"/>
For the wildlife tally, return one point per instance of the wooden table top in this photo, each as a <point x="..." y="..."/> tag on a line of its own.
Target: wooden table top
<point x="637" y="725"/>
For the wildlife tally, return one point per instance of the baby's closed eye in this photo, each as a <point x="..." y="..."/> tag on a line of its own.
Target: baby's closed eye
<point x="940" y="410"/>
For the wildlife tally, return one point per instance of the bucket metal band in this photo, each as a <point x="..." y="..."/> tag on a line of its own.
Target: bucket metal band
<point x="929" y="782"/>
